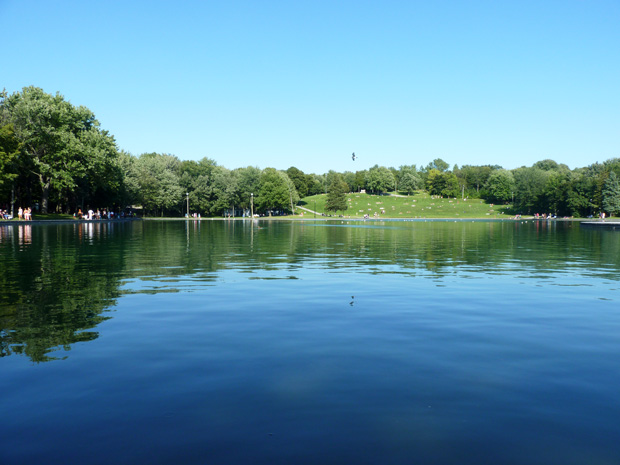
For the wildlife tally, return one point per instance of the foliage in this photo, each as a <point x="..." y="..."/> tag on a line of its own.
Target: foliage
<point x="337" y="195"/>
<point x="500" y="186"/>
<point x="439" y="165"/>
<point x="9" y="151"/>
<point x="299" y="180"/>
<point x="611" y="194"/>
<point x="379" y="179"/>
<point x="410" y="182"/>
<point x="55" y="152"/>
<point x="529" y="190"/>
<point x="62" y="145"/>
<point x="276" y="191"/>
<point x="157" y="181"/>
<point x="442" y="183"/>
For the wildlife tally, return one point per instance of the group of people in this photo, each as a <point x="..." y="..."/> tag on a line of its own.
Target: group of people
<point x="100" y="215"/>
<point x="22" y="214"/>
<point x="544" y="216"/>
<point x="93" y="215"/>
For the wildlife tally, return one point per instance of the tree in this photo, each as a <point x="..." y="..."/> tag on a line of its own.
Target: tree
<point x="299" y="180"/>
<point x="225" y="190"/>
<point x="611" y="194"/>
<point x="444" y="184"/>
<point x="379" y="179"/>
<point x="315" y="185"/>
<point x="476" y="176"/>
<point x="9" y="151"/>
<point x="439" y="165"/>
<point x="61" y="143"/>
<point x="500" y="186"/>
<point x="337" y="195"/>
<point x="156" y="177"/>
<point x="555" y="191"/>
<point x="529" y="189"/>
<point x="410" y="182"/>
<point x="276" y="191"/>
<point x="248" y="180"/>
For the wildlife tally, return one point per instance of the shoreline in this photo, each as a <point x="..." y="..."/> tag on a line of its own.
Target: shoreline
<point x="584" y="221"/>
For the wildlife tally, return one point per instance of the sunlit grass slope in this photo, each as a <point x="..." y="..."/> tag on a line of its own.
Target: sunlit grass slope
<point x="418" y="205"/>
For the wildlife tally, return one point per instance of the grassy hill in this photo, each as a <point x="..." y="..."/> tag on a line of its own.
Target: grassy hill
<point x="418" y="205"/>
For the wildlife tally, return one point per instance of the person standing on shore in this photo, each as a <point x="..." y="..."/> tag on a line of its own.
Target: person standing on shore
<point x="20" y="214"/>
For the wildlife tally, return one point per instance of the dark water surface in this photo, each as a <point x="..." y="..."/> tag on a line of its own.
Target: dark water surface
<point x="309" y="342"/>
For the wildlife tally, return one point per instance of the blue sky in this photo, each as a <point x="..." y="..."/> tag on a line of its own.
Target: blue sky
<point x="305" y="84"/>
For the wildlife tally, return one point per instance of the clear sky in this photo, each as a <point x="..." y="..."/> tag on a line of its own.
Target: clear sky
<point x="306" y="83"/>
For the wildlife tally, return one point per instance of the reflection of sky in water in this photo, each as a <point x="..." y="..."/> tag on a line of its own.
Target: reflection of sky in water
<point x="317" y="344"/>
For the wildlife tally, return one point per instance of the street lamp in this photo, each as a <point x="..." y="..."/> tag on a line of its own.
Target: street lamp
<point x="252" y="204"/>
<point x="187" y="194"/>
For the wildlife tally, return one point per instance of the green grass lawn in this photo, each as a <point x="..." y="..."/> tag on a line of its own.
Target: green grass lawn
<point x="418" y="205"/>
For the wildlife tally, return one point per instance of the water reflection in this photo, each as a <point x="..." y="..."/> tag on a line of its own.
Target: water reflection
<point x="57" y="283"/>
<point x="60" y="281"/>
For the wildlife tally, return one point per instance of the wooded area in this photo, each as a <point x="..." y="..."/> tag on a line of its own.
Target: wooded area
<point x="55" y="157"/>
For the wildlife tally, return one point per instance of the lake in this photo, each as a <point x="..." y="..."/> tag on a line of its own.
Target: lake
<point x="309" y="342"/>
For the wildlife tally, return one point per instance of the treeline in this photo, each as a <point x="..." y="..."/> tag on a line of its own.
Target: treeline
<point x="55" y="157"/>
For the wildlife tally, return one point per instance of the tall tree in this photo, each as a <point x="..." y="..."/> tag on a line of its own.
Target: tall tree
<point x="410" y="182"/>
<point x="299" y="179"/>
<point x="156" y="176"/>
<point x="379" y="179"/>
<point x="9" y="151"/>
<point x="337" y="195"/>
<point x="611" y="194"/>
<point x="529" y="189"/>
<point x="276" y="191"/>
<point x="440" y="183"/>
<point x="61" y="143"/>
<point x="500" y="186"/>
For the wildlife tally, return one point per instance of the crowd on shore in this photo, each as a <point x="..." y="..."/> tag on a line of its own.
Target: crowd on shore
<point x="22" y="214"/>
<point x="25" y="214"/>
<point x="101" y="214"/>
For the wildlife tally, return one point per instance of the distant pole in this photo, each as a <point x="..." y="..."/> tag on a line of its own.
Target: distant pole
<point x="252" y="203"/>
<point x="187" y="195"/>
<point x="463" y="189"/>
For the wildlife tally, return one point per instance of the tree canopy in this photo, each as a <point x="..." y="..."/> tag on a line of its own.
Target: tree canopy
<point x="55" y="156"/>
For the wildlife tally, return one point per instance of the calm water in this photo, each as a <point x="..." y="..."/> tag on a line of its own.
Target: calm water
<point x="309" y="342"/>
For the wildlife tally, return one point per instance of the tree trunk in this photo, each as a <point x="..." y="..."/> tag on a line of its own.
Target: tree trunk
<point x="45" y="194"/>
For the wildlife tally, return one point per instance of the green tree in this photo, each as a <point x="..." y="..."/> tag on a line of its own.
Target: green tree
<point x="157" y="180"/>
<point x="500" y="186"/>
<point x="611" y="194"/>
<point x="299" y="179"/>
<point x="556" y="192"/>
<point x="379" y="179"/>
<point x="475" y="177"/>
<point x="442" y="183"/>
<point x="276" y="191"/>
<point x="9" y="151"/>
<point x="314" y="183"/>
<point x="337" y="195"/>
<point x="439" y="165"/>
<point x="410" y="182"/>
<point x="225" y="189"/>
<point x="248" y="180"/>
<point x="61" y="143"/>
<point x="529" y="189"/>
